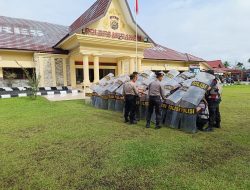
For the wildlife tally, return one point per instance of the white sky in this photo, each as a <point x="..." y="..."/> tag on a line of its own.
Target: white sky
<point x="210" y="29"/>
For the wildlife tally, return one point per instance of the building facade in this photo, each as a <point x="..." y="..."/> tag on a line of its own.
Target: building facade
<point x="101" y="41"/>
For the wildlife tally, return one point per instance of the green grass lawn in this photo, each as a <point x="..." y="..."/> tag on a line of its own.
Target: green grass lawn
<point x="69" y="145"/>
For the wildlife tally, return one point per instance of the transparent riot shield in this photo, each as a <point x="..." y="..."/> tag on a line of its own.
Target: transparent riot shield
<point x="191" y="100"/>
<point x="188" y="118"/>
<point x="106" y="79"/>
<point x="169" y="86"/>
<point x="184" y="76"/>
<point x="144" y="108"/>
<point x="172" y="116"/>
<point x="145" y="78"/>
<point x="170" y="76"/>
<point x="198" y="88"/>
<point x="111" y="91"/>
<point x="119" y="100"/>
<point x="178" y="94"/>
<point x="93" y="99"/>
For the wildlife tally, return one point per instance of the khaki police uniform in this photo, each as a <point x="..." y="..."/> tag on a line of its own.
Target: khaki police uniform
<point x="213" y="98"/>
<point x="155" y="100"/>
<point x="130" y="93"/>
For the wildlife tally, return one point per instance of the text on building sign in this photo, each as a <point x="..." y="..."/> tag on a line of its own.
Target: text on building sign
<point x="108" y="34"/>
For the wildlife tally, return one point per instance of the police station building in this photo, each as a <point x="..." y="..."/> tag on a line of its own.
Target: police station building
<point x="101" y="41"/>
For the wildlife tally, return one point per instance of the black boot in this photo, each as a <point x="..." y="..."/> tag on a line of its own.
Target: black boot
<point x="126" y="120"/>
<point x="208" y="129"/>
<point x="148" y="125"/>
<point x="133" y="122"/>
<point x="157" y="126"/>
<point x="218" y="126"/>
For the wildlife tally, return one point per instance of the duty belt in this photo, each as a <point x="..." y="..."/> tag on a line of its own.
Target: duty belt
<point x="144" y="103"/>
<point x="111" y="96"/>
<point x="89" y="94"/>
<point x="105" y="97"/>
<point x="119" y="97"/>
<point x="138" y="102"/>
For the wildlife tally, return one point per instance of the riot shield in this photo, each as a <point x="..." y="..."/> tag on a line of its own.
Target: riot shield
<point x="93" y="98"/>
<point x="119" y="99"/>
<point x="106" y="79"/>
<point x="198" y="88"/>
<point x="184" y="76"/>
<point x="170" y="76"/>
<point x="177" y="95"/>
<point x="143" y="109"/>
<point x="169" y="86"/>
<point x="191" y="100"/>
<point x="188" y="118"/>
<point x="172" y="115"/>
<point x="119" y="103"/>
<point x="145" y="78"/>
<point x="112" y="91"/>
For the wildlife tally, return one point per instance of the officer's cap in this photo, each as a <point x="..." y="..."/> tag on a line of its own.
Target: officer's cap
<point x="210" y="72"/>
<point x="160" y="74"/>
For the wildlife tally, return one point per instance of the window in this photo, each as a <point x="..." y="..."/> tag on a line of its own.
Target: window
<point x="18" y="71"/>
<point x="105" y="72"/>
<point x="80" y="75"/>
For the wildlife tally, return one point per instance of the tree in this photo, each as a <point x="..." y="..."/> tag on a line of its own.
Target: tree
<point x="240" y="65"/>
<point x="33" y="81"/>
<point x="249" y="60"/>
<point x="226" y="64"/>
<point x="10" y="78"/>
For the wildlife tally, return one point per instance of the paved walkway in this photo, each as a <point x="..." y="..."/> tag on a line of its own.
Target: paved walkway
<point x="64" y="97"/>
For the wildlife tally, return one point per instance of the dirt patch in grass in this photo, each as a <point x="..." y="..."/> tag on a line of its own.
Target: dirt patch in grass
<point x="128" y="179"/>
<point x="29" y="132"/>
<point x="211" y="155"/>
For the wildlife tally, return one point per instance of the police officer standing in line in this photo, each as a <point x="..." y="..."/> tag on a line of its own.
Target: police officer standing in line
<point x="213" y="98"/>
<point x="130" y="93"/>
<point x="136" y="75"/>
<point x="155" y="95"/>
<point x="137" y="108"/>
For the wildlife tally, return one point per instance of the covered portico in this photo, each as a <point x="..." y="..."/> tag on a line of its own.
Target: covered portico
<point x="95" y="53"/>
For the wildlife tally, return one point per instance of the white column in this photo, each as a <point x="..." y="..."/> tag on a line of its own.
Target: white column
<point x="41" y="71"/>
<point x="53" y="69"/>
<point x="1" y="69"/>
<point x="119" y="67"/>
<point x="72" y="72"/>
<point x="123" y="68"/>
<point x="1" y="72"/>
<point x="86" y="69"/>
<point x="96" y="69"/>
<point x="131" y="65"/>
<point x="139" y="65"/>
<point x="64" y="72"/>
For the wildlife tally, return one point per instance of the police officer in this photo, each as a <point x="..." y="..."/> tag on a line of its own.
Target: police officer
<point x="136" y="75"/>
<point x="130" y="93"/>
<point x="155" y="93"/>
<point x="213" y="98"/>
<point x="137" y="108"/>
<point x="202" y="114"/>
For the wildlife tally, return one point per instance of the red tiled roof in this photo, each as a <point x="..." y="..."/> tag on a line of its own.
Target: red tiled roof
<point x="216" y="64"/>
<point x="97" y="10"/>
<point x="219" y="70"/>
<point x="29" y="35"/>
<point x="163" y="53"/>
<point x="194" y="58"/>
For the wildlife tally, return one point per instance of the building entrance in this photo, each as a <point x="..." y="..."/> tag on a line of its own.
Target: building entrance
<point x="102" y="74"/>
